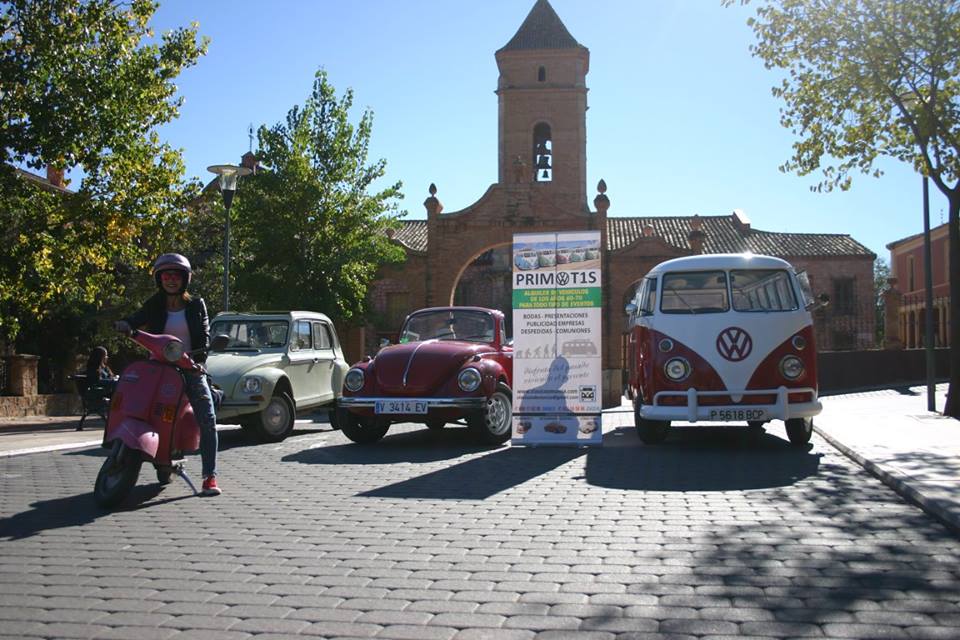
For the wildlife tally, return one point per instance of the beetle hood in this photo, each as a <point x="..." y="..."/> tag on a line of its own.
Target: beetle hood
<point x="425" y="366"/>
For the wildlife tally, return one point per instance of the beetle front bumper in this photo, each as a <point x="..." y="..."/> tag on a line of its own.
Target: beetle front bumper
<point x="692" y="410"/>
<point x="465" y="404"/>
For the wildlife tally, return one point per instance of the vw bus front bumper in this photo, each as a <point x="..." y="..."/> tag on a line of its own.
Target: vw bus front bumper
<point x="694" y="409"/>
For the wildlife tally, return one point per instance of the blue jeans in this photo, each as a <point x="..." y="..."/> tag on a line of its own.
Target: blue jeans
<point x="201" y="399"/>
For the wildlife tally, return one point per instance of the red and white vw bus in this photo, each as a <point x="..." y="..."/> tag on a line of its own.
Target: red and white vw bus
<point x="724" y="338"/>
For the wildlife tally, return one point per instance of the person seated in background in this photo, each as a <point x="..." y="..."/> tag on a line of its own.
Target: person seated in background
<point x="98" y="368"/>
<point x="99" y="384"/>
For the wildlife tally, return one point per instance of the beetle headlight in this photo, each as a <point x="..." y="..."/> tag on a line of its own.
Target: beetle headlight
<point x="251" y="384"/>
<point x="791" y="367"/>
<point x="677" y="369"/>
<point x="469" y="379"/>
<point x="353" y="381"/>
<point x="173" y="351"/>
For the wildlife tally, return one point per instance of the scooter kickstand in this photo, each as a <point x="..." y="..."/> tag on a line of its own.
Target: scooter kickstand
<point x="180" y="471"/>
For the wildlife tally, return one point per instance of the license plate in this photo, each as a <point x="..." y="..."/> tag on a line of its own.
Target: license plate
<point x="400" y="406"/>
<point x="738" y="415"/>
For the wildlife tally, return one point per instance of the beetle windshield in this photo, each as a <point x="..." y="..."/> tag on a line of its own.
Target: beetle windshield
<point x="762" y="290"/>
<point x="251" y="334"/>
<point x="446" y="324"/>
<point x="694" y="292"/>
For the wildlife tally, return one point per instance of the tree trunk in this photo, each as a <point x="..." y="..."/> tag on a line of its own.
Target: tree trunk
<point x="952" y="407"/>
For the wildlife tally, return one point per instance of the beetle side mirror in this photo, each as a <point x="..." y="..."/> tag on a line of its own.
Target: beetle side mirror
<point x="219" y="342"/>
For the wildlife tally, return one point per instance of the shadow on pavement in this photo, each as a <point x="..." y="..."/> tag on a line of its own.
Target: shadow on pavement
<point x="699" y="459"/>
<point x="419" y="445"/>
<point x="480" y="478"/>
<point x="80" y="509"/>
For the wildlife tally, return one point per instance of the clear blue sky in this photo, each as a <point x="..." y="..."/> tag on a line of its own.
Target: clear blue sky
<point x="681" y="119"/>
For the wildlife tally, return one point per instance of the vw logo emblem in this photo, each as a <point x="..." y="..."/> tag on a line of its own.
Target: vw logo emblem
<point x="734" y="344"/>
<point x="563" y="278"/>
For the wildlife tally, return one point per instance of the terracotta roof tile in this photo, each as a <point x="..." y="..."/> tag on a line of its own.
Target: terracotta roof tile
<point x="542" y="29"/>
<point x="723" y="235"/>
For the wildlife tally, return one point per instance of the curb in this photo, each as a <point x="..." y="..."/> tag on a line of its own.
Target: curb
<point x="931" y="507"/>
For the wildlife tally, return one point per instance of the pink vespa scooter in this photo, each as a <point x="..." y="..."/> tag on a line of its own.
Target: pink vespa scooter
<point x="150" y="418"/>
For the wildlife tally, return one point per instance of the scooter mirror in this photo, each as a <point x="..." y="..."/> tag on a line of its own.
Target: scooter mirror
<point x="219" y="342"/>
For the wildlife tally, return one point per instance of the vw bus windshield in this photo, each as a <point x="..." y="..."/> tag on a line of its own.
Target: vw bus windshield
<point x="762" y="290"/>
<point x="694" y="292"/>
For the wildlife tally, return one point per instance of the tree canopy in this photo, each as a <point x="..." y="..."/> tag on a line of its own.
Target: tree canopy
<point x="865" y="79"/>
<point x="310" y="225"/>
<point x="85" y="85"/>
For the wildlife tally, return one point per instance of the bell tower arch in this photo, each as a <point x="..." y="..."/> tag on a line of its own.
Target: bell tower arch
<point x="542" y="95"/>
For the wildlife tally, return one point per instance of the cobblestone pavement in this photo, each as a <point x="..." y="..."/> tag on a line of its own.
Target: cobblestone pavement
<point x="425" y="536"/>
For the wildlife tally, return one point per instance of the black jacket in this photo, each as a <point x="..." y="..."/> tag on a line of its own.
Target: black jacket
<point x="152" y="317"/>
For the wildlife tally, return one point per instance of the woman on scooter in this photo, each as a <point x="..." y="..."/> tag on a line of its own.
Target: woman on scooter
<point x="175" y="312"/>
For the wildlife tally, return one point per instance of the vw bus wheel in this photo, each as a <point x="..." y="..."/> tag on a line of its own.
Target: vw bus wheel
<point x="799" y="430"/>
<point x="492" y="424"/>
<point x="117" y="476"/>
<point x="361" y="430"/>
<point x="275" y="422"/>
<point x="650" y="431"/>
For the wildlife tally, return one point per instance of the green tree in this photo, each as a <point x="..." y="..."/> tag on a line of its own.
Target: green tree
<point x="310" y="228"/>
<point x="881" y="272"/>
<point x="84" y="86"/>
<point x="866" y="79"/>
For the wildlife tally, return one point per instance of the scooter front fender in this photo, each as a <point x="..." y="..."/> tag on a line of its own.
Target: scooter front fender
<point x="137" y="434"/>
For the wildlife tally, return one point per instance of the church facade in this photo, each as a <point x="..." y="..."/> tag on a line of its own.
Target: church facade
<point x="464" y="257"/>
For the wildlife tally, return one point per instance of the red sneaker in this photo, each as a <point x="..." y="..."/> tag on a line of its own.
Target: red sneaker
<point x="210" y="487"/>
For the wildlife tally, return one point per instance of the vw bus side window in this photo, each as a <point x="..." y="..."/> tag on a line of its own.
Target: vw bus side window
<point x="762" y="290"/>
<point x="695" y="292"/>
<point x="806" y="290"/>
<point x="648" y="297"/>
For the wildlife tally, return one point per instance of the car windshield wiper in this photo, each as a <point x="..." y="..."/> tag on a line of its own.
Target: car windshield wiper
<point x="680" y="298"/>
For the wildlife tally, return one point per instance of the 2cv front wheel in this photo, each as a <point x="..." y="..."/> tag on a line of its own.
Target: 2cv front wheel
<point x="275" y="422"/>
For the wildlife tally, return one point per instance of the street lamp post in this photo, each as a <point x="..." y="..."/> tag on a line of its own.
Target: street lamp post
<point x="229" y="174"/>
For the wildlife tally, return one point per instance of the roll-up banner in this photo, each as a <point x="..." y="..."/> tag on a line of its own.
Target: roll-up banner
<point x="557" y="338"/>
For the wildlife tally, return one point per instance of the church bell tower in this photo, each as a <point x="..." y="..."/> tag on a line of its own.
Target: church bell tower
<point x="542" y="108"/>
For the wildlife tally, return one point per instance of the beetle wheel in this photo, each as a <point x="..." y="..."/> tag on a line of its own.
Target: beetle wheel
<point x="361" y="430"/>
<point x="493" y="424"/>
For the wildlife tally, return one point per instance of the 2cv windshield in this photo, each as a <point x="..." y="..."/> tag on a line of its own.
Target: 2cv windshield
<point x="472" y="326"/>
<point x="251" y="334"/>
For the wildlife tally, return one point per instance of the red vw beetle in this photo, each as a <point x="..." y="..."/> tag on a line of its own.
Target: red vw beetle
<point x="451" y="364"/>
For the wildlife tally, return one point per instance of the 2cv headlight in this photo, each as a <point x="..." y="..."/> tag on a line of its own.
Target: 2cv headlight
<point x="251" y="384"/>
<point x="353" y="381"/>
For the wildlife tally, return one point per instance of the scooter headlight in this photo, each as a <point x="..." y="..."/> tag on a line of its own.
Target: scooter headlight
<point x="677" y="369"/>
<point x="469" y="379"/>
<point x="791" y="367"/>
<point x="173" y="351"/>
<point x="251" y="384"/>
<point x="353" y="381"/>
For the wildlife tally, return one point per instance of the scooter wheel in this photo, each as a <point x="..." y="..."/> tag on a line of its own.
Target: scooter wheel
<point x="164" y="475"/>
<point x="117" y="476"/>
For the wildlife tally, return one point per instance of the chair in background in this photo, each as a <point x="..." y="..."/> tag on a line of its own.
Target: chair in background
<point x="95" y="397"/>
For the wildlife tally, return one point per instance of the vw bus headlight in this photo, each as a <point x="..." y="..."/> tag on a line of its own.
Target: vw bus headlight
<point x="791" y="367"/>
<point x="677" y="369"/>
<point x="173" y="351"/>
<point x="251" y="384"/>
<point x="798" y="342"/>
<point x="665" y="345"/>
<point x="469" y="379"/>
<point x="353" y="381"/>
